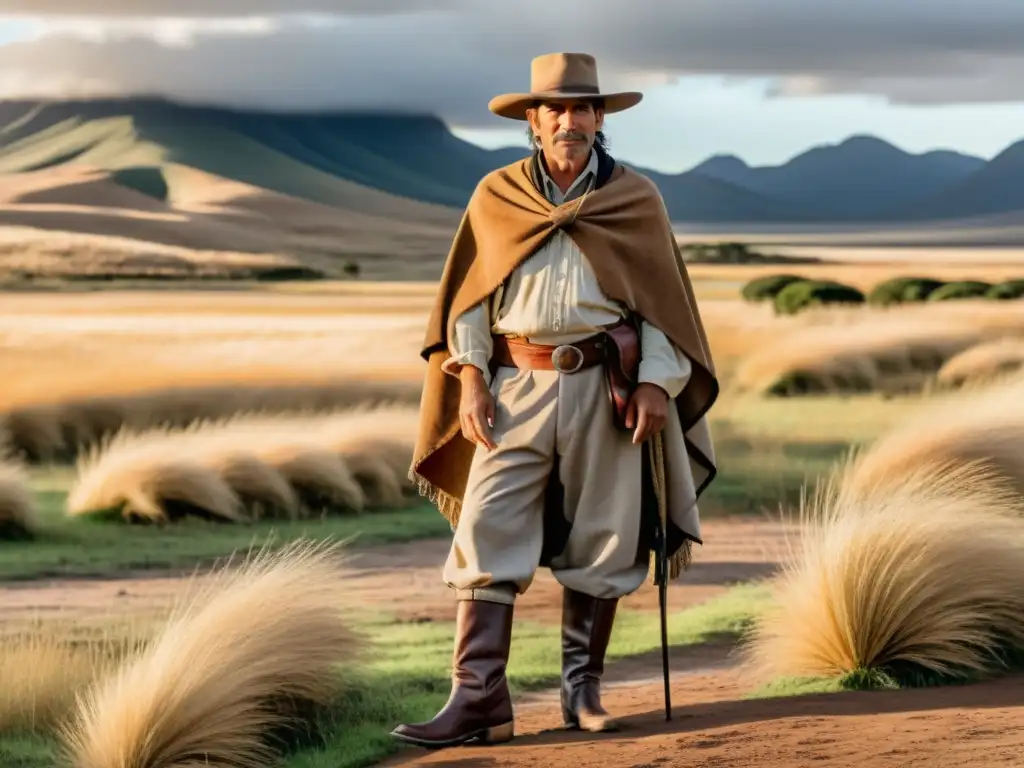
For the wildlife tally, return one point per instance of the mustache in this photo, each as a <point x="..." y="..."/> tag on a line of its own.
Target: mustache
<point x="570" y="136"/>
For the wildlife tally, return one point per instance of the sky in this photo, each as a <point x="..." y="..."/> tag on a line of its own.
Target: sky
<point x="763" y="80"/>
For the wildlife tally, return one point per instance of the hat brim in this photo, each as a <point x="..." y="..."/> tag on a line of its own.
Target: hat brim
<point x="514" y="105"/>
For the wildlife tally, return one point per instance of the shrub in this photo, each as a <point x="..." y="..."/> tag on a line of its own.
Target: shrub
<point x="1011" y="289"/>
<point x="902" y="289"/>
<point x="767" y="287"/>
<point x="963" y="289"/>
<point x="808" y="293"/>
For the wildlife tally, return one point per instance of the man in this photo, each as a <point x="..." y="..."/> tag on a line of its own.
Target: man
<point x="536" y="425"/>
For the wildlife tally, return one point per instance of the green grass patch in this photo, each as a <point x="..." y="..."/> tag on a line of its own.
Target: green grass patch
<point x="27" y="752"/>
<point x="66" y="546"/>
<point x="858" y="680"/>
<point x="891" y="677"/>
<point x="760" y="473"/>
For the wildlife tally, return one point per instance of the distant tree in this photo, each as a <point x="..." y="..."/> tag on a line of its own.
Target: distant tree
<point x="804" y="294"/>
<point x="1010" y="289"/>
<point x="767" y="287"/>
<point x="902" y="289"/>
<point x="964" y="289"/>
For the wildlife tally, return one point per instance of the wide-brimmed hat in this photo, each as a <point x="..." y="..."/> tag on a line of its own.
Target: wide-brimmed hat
<point x="561" y="76"/>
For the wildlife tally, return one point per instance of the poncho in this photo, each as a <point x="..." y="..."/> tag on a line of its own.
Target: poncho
<point x="625" y="232"/>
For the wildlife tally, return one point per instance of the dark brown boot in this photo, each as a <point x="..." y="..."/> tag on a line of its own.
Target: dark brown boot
<point x="586" y="629"/>
<point x="480" y="705"/>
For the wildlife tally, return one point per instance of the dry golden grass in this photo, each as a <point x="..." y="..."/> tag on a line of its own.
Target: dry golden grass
<point x="848" y="347"/>
<point x="795" y="421"/>
<point x="17" y="502"/>
<point x="896" y="350"/>
<point x="966" y="426"/>
<point x="41" y="678"/>
<point x="60" y="431"/>
<point x="234" y="657"/>
<point x="983" y="363"/>
<point x="924" y="578"/>
<point x="864" y="273"/>
<point x="735" y="329"/>
<point x="252" y="466"/>
<point x="867" y="357"/>
<point x="45" y="665"/>
<point x="82" y="367"/>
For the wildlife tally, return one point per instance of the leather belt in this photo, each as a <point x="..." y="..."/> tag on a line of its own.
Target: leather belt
<point x="515" y="352"/>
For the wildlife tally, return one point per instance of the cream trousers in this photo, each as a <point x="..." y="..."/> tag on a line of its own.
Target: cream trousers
<point x="499" y="537"/>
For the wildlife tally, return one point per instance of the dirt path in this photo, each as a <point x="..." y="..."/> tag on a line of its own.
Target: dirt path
<point x="405" y="579"/>
<point x="980" y="725"/>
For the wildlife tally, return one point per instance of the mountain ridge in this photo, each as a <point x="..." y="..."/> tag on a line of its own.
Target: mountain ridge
<point x="861" y="179"/>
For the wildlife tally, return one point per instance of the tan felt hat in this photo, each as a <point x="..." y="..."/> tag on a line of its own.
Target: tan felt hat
<point x="561" y="76"/>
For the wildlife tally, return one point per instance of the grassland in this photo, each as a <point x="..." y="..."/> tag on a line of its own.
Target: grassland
<point x="85" y="364"/>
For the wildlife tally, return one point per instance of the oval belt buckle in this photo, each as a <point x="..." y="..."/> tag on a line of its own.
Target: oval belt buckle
<point x="560" y="358"/>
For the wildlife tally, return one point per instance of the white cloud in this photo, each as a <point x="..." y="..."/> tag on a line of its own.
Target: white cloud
<point x="450" y="57"/>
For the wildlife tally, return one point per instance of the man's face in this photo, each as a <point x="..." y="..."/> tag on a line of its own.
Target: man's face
<point x="566" y="129"/>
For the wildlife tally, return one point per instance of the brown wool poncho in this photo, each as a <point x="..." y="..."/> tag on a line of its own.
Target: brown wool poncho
<point x="624" y="230"/>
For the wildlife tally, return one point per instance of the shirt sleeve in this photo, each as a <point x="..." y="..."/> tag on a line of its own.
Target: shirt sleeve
<point x="470" y="342"/>
<point x="661" y="362"/>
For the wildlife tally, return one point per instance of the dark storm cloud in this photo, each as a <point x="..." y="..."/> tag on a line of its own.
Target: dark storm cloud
<point x="452" y="58"/>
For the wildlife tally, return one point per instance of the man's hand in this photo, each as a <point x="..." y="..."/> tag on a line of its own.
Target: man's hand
<point x="647" y="411"/>
<point x="476" y="407"/>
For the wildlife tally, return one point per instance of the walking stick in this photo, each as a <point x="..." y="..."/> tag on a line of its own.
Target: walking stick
<point x="661" y="560"/>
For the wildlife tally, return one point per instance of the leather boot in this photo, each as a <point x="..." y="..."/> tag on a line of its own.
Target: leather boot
<point x="480" y="705"/>
<point x="586" y="629"/>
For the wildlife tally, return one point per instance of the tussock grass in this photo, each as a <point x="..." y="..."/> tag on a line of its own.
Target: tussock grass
<point x="239" y="664"/>
<point x="59" y="431"/>
<point x="983" y="363"/>
<point x="252" y="466"/>
<point x="322" y="480"/>
<point x="869" y="357"/>
<point x="983" y="426"/>
<point x="45" y="665"/>
<point x="18" y="508"/>
<point x="147" y="478"/>
<point x="260" y="487"/>
<point x="919" y="583"/>
<point x="843" y="349"/>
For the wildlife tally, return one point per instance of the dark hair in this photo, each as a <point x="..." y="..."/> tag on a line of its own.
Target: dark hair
<point x="599" y="138"/>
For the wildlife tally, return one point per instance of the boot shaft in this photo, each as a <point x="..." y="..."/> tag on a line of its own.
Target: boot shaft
<point x="587" y="624"/>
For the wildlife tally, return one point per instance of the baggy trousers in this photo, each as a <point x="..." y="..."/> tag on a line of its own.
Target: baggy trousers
<point x="499" y="536"/>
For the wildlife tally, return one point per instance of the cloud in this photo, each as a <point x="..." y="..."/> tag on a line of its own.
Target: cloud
<point x="217" y="8"/>
<point x="450" y="57"/>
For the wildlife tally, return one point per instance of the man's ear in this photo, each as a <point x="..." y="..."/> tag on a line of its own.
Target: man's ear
<point x="531" y="118"/>
<point x="599" y="122"/>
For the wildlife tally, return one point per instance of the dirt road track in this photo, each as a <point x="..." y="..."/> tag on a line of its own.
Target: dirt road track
<point x="980" y="726"/>
<point x="406" y="579"/>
